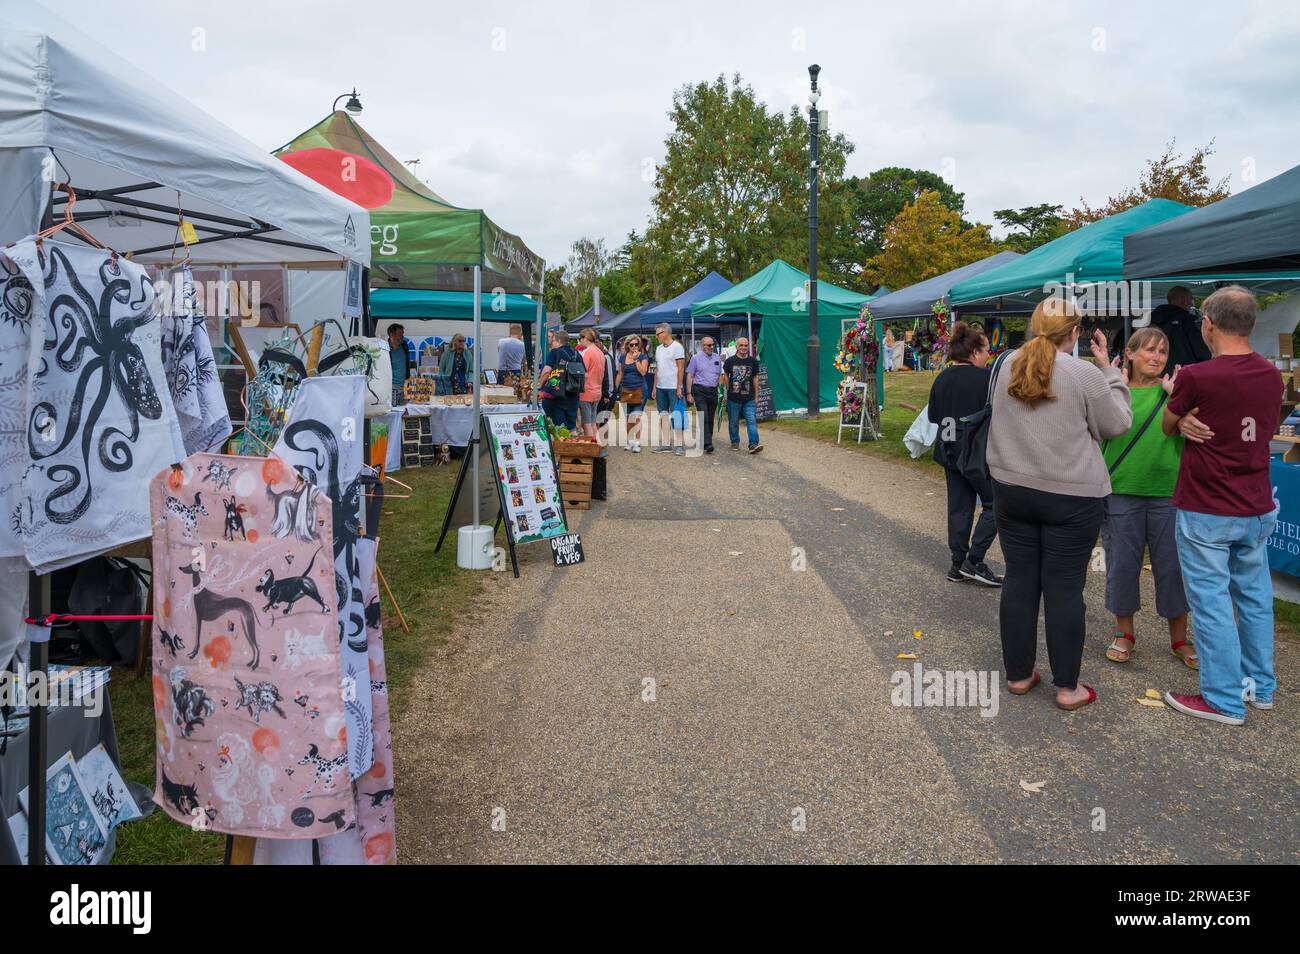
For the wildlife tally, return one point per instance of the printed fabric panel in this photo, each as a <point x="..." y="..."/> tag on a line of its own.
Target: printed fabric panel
<point x="86" y="417"/>
<point x="251" y="736"/>
<point x="191" y="367"/>
<point x="321" y="440"/>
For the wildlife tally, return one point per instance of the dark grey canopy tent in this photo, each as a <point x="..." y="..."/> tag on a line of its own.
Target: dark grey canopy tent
<point x="1253" y="234"/>
<point x="915" y="301"/>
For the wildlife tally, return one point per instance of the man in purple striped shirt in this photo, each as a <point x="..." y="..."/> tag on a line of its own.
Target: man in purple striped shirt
<point x="702" y="387"/>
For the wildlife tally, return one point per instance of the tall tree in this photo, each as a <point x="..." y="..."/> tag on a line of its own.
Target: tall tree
<point x="877" y="199"/>
<point x="553" y="296"/>
<point x="588" y="261"/>
<point x="926" y="239"/>
<point x="1031" y="226"/>
<point x="732" y="191"/>
<point x="1168" y="177"/>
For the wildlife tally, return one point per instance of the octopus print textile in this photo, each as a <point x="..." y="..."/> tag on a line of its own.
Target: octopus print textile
<point x="321" y="440"/>
<point x="92" y="418"/>
<point x="248" y="713"/>
<point x="191" y="366"/>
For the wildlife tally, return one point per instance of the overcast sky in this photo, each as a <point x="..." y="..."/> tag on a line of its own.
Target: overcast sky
<point x="548" y="114"/>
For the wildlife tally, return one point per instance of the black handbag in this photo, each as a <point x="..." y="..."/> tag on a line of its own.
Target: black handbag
<point x="972" y="436"/>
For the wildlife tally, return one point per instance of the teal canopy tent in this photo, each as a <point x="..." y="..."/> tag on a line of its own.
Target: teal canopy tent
<point x="415" y="303"/>
<point x="1085" y="257"/>
<point x="778" y="297"/>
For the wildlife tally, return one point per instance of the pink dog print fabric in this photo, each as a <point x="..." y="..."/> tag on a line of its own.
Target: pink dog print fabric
<point x="248" y="710"/>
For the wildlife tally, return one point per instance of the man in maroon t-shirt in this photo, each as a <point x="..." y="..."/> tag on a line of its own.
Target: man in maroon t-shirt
<point x="1227" y="408"/>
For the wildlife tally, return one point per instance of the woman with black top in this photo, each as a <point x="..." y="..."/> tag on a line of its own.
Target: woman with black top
<point x="961" y="389"/>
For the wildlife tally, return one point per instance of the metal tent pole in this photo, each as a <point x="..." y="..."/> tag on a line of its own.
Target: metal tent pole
<point x="538" y="345"/>
<point x="478" y="347"/>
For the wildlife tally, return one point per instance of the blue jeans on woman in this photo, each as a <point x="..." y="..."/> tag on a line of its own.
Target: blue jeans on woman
<point x="563" y="411"/>
<point x="1225" y="562"/>
<point x="734" y="411"/>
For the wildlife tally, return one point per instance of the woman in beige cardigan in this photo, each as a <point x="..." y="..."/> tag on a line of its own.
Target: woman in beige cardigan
<point x="1050" y="411"/>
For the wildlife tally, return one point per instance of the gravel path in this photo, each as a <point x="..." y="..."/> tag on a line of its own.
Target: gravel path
<point x="771" y="736"/>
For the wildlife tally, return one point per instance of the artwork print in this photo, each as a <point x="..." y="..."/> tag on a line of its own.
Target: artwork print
<point x="106" y="788"/>
<point x="87" y="417"/>
<point x="248" y="710"/>
<point x="73" y="832"/>
<point x="191" y="366"/>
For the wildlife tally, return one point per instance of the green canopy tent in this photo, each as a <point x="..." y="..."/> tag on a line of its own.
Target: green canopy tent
<point x="777" y="296"/>
<point x="420" y="240"/>
<point x="1086" y="259"/>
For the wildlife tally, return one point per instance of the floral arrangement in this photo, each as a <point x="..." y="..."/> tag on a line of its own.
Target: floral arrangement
<point x="940" y="312"/>
<point x="850" y="402"/>
<point x="858" y="347"/>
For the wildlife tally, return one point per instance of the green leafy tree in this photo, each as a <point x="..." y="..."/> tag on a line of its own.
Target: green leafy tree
<point x="926" y="239"/>
<point x="877" y="199"/>
<point x="588" y="261"/>
<point x="553" y="295"/>
<point x="732" y="191"/>
<point x="1170" y="176"/>
<point x="1031" y="226"/>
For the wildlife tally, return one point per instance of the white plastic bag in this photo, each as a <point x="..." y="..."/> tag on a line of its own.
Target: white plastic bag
<point x="920" y="437"/>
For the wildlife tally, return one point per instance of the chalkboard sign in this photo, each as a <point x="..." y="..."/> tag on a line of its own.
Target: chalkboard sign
<point x="567" y="550"/>
<point x="764" y="409"/>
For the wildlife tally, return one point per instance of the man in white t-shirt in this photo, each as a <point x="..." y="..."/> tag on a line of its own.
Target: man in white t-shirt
<point x="670" y="371"/>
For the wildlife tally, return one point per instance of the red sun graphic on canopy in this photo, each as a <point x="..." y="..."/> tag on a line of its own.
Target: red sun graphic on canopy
<point x="354" y="177"/>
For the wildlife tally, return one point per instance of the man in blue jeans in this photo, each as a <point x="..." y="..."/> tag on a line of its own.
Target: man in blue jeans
<point x="1227" y="408"/>
<point x="741" y="374"/>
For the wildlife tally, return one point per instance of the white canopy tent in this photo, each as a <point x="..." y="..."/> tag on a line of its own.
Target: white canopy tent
<point x="139" y="155"/>
<point x="139" y="159"/>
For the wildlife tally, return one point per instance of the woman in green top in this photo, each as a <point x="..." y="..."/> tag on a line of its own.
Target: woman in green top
<point x="1143" y="467"/>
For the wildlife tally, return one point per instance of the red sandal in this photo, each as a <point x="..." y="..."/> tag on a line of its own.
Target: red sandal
<point x="1071" y="706"/>
<point x="1117" y="653"/>
<point x="1190" y="660"/>
<point x="1034" y="680"/>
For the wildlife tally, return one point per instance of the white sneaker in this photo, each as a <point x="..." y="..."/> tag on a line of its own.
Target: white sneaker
<point x="636" y="448"/>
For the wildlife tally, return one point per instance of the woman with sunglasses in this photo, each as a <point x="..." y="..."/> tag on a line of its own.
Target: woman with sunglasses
<point x="633" y="367"/>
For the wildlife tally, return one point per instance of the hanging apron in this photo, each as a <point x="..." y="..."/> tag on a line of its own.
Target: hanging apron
<point x="251" y="736"/>
<point x="321" y="440"/>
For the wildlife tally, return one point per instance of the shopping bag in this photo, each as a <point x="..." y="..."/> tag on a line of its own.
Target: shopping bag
<point x="921" y="436"/>
<point x="678" y="419"/>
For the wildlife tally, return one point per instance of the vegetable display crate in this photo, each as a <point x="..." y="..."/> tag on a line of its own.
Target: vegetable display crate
<point x="575" y="468"/>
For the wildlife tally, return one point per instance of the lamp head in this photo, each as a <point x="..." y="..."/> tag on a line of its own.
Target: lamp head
<point x="812" y="74"/>
<point x="353" y="105"/>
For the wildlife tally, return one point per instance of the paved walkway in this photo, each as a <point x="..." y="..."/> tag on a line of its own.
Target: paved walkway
<point x="772" y="697"/>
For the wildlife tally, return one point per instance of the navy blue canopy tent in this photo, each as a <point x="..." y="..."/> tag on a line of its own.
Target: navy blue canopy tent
<point x="916" y="301"/>
<point x="625" y="323"/>
<point x="677" y="311"/>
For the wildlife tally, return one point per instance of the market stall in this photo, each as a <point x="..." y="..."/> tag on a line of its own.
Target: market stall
<point x="130" y="180"/>
<point x="776" y="298"/>
<point x="421" y="241"/>
<point x="677" y="314"/>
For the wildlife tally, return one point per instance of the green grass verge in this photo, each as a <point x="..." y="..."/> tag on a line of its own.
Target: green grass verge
<point x="432" y="591"/>
<point x="901" y="388"/>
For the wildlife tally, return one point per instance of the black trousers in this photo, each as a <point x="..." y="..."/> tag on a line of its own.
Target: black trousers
<point x="1047" y="540"/>
<point x="706" y="402"/>
<point x="963" y="496"/>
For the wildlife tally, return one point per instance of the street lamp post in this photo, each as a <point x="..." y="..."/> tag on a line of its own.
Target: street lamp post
<point x="814" y="343"/>
<point x="353" y="105"/>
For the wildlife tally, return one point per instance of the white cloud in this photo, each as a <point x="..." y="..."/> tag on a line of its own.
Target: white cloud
<point x="544" y="113"/>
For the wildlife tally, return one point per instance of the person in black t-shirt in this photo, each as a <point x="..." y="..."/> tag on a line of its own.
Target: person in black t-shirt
<point x="740" y="374"/>
<point x="1182" y="328"/>
<point x="961" y="389"/>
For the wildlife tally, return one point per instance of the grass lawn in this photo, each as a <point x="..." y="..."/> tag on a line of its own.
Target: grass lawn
<point x="901" y="387"/>
<point x="431" y="590"/>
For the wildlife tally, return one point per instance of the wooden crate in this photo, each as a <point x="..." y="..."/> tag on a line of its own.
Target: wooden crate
<point x="579" y="449"/>
<point x="576" y="465"/>
<point x="578" y="504"/>
<point x="575" y="496"/>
